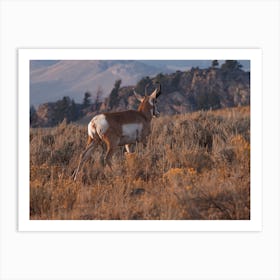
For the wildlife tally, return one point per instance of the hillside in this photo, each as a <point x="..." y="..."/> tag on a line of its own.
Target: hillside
<point x="182" y="91"/>
<point x="196" y="167"/>
<point x="192" y="90"/>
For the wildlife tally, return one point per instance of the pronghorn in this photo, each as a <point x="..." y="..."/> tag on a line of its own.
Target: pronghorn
<point x="121" y="128"/>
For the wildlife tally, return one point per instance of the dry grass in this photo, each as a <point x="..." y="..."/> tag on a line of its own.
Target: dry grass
<point x="196" y="166"/>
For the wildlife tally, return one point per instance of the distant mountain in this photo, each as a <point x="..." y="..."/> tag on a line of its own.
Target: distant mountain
<point x="182" y="92"/>
<point x="36" y="64"/>
<point x="51" y="80"/>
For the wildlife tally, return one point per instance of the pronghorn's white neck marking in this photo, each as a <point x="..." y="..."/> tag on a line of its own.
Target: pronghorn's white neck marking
<point x="132" y="130"/>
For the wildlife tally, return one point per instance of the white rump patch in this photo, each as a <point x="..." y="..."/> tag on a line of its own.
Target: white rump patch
<point x="91" y="130"/>
<point x="101" y="124"/>
<point x="132" y="131"/>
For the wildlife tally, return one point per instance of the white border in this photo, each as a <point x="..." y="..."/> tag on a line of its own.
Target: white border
<point x="254" y="55"/>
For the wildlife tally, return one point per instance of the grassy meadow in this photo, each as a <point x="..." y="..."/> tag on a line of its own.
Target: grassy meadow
<point x="195" y="167"/>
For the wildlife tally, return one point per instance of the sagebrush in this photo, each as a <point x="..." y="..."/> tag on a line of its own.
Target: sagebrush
<point x="195" y="166"/>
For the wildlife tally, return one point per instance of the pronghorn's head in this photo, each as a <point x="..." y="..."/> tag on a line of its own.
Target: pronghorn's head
<point x="149" y="102"/>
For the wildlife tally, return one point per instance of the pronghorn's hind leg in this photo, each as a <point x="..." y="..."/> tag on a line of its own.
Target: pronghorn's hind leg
<point x="111" y="144"/>
<point x="84" y="156"/>
<point x="108" y="157"/>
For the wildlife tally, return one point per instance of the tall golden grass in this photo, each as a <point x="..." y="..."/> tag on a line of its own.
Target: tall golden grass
<point x="195" y="166"/>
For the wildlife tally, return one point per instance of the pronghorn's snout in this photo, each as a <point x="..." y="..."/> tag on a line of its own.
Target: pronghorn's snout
<point x="156" y="113"/>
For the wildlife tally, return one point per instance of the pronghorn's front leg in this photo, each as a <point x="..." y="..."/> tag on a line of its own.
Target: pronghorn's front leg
<point x="127" y="149"/>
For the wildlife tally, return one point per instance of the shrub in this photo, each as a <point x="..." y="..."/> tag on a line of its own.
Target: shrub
<point x="195" y="166"/>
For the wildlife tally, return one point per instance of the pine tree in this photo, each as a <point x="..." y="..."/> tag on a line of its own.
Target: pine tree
<point x="215" y="63"/>
<point x="231" y="65"/>
<point x="113" y="98"/>
<point x="142" y="84"/>
<point x="33" y="115"/>
<point x="87" y="99"/>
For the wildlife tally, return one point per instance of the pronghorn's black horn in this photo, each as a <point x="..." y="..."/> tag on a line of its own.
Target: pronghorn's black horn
<point x="158" y="90"/>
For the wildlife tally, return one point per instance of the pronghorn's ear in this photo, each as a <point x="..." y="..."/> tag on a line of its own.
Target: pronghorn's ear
<point x="159" y="90"/>
<point x="156" y="92"/>
<point x="138" y="96"/>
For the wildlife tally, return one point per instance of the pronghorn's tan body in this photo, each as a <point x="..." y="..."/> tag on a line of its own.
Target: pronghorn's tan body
<point x="132" y="127"/>
<point x="121" y="128"/>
